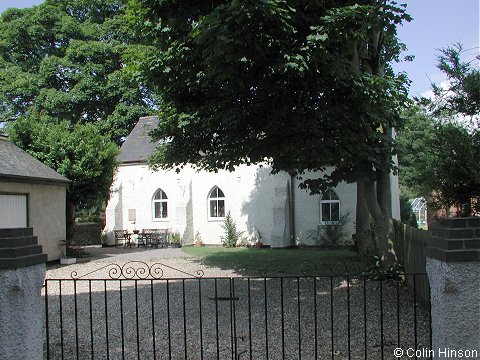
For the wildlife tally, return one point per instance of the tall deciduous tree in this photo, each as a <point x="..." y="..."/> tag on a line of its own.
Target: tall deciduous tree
<point x="300" y="85"/>
<point x="65" y="92"/>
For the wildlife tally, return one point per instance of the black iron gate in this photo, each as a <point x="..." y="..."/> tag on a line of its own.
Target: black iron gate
<point x="132" y="311"/>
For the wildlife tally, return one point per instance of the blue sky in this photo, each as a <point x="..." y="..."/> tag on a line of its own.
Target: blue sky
<point x="436" y="24"/>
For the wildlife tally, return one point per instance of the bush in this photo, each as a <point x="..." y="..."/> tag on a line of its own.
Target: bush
<point x="232" y="236"/>
<point x="174" y="237"/>
<point x="333" y="233"/>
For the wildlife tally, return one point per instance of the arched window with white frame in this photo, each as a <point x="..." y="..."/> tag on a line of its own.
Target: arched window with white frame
<point x="329" y="207"/>
<point x="160" y="205"/>
<point x="216" y="203"/>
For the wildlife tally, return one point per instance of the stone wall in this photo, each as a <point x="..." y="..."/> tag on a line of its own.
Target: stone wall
<point x="453" y="267"/>
<point x="22" y="271"/>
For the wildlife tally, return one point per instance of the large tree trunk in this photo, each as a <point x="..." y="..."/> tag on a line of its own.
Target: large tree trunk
<point x="362" y="223"/>
<point x="70" y="214"/>
<point x="377" y="206"/>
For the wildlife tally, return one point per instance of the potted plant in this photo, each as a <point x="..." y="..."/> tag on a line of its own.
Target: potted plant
<point x="198" y="240"/>
<point x="175" y="239"/>
<point x="65" y="259"/>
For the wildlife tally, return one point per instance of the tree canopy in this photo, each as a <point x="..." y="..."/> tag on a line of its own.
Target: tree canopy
<point x="298" y="85"/>
<point x="64" y="61"/>
<point x="440" y="144"/>
<point x="66" y="94"/>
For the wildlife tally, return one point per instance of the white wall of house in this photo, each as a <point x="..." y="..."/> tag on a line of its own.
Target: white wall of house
<point x="307" y="210"/>
<point x="250" y="196"/>
<point x="46" y="212"/>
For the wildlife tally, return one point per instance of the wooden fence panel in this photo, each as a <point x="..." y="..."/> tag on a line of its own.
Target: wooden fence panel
<point x="410" y="246"/>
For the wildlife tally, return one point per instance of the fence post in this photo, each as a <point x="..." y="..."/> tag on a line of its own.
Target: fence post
<point x="22" y="271"/>
<point x="453" y="267"/>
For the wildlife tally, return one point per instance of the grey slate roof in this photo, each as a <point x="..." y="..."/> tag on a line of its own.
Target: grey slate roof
<point x="16" y="164"/>
<point x="139" y="146"/>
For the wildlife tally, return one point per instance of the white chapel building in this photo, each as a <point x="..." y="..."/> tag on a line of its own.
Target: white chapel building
<point x="195" y="203"/>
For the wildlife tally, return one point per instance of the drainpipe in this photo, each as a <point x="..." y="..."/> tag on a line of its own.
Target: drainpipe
<point x="292" y="210"/>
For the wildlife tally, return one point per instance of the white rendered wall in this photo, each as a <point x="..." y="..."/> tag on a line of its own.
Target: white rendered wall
<point x="249" y="193"/>
<point x="134" y="188"/>
<point x="307" y="209"/>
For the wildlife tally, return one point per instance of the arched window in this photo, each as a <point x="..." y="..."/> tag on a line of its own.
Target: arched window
<point x="329" y="207"/>
<point x="216" y="203"/>
<point x="160" y="205"/>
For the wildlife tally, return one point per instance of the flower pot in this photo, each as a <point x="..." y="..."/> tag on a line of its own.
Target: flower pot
<point x="68" y="261"/>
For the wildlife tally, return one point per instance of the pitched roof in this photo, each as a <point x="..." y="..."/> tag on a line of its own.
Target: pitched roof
<point x="16" y="164"/>
<point x="139" y="146"/>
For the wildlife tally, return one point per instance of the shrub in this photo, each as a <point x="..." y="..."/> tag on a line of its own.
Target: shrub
<point x="333" y="233"/>
<point x="174" y="237"/>
<point x="232" y="236"/>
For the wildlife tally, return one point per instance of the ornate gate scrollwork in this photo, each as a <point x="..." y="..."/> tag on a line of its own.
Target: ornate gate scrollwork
<point x="136" y="270"/>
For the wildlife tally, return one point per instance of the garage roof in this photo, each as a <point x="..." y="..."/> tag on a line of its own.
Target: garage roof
<point x="16" y="164"/>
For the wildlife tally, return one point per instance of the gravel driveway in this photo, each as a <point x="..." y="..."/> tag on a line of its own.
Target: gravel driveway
<point x="222" y="315"/>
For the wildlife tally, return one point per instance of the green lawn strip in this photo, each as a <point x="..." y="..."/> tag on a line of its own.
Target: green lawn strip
<point x="281" y="261"/>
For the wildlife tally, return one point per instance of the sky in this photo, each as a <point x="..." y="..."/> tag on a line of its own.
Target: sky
<point x="436" y="24"/>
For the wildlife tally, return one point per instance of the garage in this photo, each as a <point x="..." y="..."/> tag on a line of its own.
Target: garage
<point x="32" y="195"/>
<point x="13" y="211"/>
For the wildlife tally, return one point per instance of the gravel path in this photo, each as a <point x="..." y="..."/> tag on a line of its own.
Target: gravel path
<point x="182" y="317"/>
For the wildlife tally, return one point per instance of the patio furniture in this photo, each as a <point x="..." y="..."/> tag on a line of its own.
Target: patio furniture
<point x="159" y="238"/>
<point x="153" y="237"/>
<point x="123" y="236"/>
<point x="144" y="237"/>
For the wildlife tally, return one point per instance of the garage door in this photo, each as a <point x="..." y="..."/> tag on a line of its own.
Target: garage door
<point x="13" y="211"/>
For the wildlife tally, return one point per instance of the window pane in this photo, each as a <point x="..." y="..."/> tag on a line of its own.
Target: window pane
<point x="157" y="209"/>
<point x="335" y="212"/>
<point x="164" y="209"/>
<point x="331" y="195"/>
<point x="325" y="212"/>
<point x="213" y="208"/>
<point x="220" y="193"/>
<point x="221" y="208"/>
<point x="160" y="194"/>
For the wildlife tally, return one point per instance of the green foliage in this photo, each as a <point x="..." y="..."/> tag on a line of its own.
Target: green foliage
<point x="274" y="81"/>
<point x="232" y="236"/>
<point x="174" y="237"/>
<point x="406" y="213"/>
<point x="332" y="233"/>
<point x="441" y="159"/>
<point x="377" y="271"/>
<point x="80" y="153"/>
<point x="66" y="94"/>
<point x="64" y="61"/>
<point x="441" y="150"/>
<point x="462" y="94"/>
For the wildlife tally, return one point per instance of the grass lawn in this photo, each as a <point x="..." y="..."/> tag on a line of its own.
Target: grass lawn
<point x="283" y="261"/>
